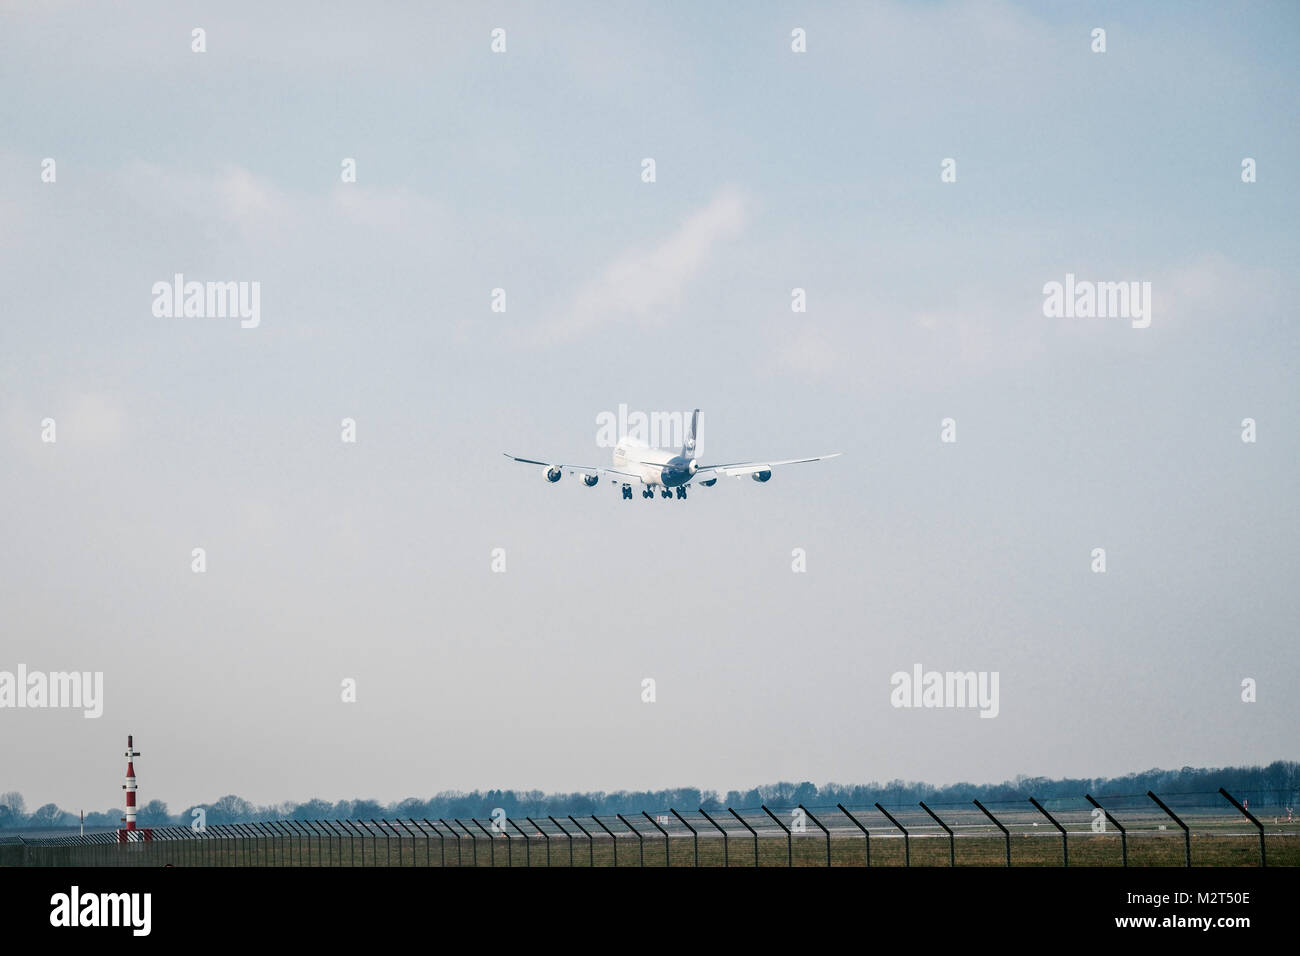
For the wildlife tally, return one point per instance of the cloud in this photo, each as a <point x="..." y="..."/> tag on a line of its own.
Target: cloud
<point x="640" y="285"/>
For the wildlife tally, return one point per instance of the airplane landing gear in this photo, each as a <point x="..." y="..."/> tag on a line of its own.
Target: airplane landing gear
<point x="648" y="493"/>
<point x="627" y="491"/>
<point x="666" y="493"/>
<point x="681" y="491"/>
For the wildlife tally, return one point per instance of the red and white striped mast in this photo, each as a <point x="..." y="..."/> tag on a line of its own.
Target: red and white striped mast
<point x="129" y="786"/>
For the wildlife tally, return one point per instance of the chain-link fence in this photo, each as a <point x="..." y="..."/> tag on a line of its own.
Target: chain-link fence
<point x="1181" y="829"/>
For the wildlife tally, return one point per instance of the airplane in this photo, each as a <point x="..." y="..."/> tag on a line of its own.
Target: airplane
<point x="669" y="472"/>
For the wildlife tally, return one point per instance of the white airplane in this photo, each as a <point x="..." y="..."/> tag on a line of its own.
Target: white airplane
<point x="669" y="471"/>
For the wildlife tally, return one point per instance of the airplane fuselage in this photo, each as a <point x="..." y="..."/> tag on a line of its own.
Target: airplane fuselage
<point x="655" y="466"/>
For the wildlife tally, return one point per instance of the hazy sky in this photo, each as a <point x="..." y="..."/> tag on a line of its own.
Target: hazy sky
<point x="522" y="170"/>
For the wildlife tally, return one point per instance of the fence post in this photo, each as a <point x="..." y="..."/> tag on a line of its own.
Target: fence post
<point x="306" y="846"/>
<point x="639" y="837"/>
<point x="865" y="832"/>
<point x="400" y="854"/>
<point x="258" y="837"/>
<point x="329" y="843"/>
<point x="510" y="849"/>
<point x="1187" y="834"/>
<point x="420" y="825"/>
<point x="442" y="858"/>
<point x="442" y="846"/>
<point x="1251" y="817"/>
<point x="282" y="835"/>
<point x="272" y="843"/>
<point x="544" y="834"/>
<point x="1123" y="836"/>
<point x="725" y="861"/>
<point x="289" y="836"/>
<point x="368" y="833"/>
<point x="473" y="837"/>
<point x="591" y="849"/>
<point x="237" y="842"/>
<point x="325" y="833"/>
<point x="613" y="839"/>
<point x="750" y="829"/>
<point x="668" y="860"/>
<point x="952" y="844"/>
<point x="363" y="832"/>
<point x="695" y="837"/>
<point x="1065" y="843"/>
<point x="412" y="835"/>
<point x="388" y="845"/>
<point x="808" y="814"/>
<point x="353" y="832"/>
<point x="789" y="840"/>
<point x="907" y="837"/>
<point x="528" y="844"/>
<point x="997" y="823"/>
<point x="260" y="852"/>
<point x="292" y="840"/>
<point x="387" y="827"/>
<point x="424" y="833"/>
<point x="310" y="830"/>
<point x="456" y="835"/>
<point x="567" y="834"/>
<point x="492" y="844"/>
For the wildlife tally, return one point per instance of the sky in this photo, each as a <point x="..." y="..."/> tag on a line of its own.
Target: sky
<point x="523" y="170"/>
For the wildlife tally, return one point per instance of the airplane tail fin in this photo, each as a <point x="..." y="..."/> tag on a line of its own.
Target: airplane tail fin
<point x="690" y="446"/>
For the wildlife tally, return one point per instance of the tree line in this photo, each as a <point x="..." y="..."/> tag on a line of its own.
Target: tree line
<point x="1273" y="786"/>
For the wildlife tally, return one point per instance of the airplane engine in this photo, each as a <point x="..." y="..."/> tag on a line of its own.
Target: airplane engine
<point x="709" y="483"/>
<point x="553" y="474"/>
<point x="590" y="480"/>
<point x="761" y="475"/>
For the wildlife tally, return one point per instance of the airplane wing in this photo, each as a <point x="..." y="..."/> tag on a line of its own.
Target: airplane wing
<point x="742" y="468"/>
<point x="571" y="469"/>
<point x="585" y="470"/>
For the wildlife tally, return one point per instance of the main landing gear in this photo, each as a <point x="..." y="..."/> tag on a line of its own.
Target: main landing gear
<point x="666" y="493"/>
